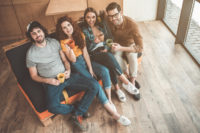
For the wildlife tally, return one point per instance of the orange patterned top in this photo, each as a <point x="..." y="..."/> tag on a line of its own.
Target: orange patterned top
<point x="71" y="43"/>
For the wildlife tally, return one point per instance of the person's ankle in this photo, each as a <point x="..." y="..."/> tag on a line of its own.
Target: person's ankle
<point x="126" y="74"/>
<point x="132" y="80"/>
<point x="116" y="87"/>
<point x="116" y="116"/>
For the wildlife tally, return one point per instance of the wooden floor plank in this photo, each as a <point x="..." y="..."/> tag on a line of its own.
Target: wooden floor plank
<point x="172" y="123"/>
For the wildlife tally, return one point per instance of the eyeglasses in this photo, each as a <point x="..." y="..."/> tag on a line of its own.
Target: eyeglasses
<point x="116" y="15"/>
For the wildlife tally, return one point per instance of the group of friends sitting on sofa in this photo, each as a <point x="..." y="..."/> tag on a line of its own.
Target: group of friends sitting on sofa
<point x="84" y="55"/>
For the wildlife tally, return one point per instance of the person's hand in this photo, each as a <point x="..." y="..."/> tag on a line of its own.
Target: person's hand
<point x="67" y="48"/>
<point x="116" y="47"/>
<point x="92" y="73"/>
<point x="70" y="43"/>
<point x="104" y="50"/>
<point x="53" y="81"/>
<point x="67" y="74"/>
<point x="69" y="53"/>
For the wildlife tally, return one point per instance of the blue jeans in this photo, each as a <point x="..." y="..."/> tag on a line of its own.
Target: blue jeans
<point x="100" y="71"/>
<point x="78" y="82"/>
<point x="108" y="60"/>
<point x="81" y="67"/>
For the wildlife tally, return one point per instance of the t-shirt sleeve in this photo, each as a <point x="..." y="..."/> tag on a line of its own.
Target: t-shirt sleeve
<point x="56" y="42"/>
<point x="29" y="62"/>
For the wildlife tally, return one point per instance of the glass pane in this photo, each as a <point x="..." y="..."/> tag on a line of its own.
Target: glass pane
<point x="172" y="14"/>
<point x="192" y="42"/>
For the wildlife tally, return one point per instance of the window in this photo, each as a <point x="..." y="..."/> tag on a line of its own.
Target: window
<point x="192" y="41"/>
<point x="172" y="14"/>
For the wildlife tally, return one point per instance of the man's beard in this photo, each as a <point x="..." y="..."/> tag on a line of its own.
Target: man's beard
<point x="40" y="41"/>
<point x="118" y="21"/>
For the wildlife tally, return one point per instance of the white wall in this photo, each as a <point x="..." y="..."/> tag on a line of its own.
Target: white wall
<point x="140" y="10"/>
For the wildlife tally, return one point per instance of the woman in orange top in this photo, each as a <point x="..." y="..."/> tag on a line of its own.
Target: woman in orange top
<point x="73" y="45"/>
<point x="72" y="42"/>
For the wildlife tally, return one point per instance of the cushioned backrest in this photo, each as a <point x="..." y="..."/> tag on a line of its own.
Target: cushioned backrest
<point x="34" y="90"/>
<point x="17" y="59"/>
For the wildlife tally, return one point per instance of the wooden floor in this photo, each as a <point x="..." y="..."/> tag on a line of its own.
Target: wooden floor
<point x="170" y="92"/>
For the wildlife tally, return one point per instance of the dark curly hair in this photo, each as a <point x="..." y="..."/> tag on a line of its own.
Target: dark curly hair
<point x="90" y="9"/>
<point x="77" y="34"/>
<point x="33" y="25"/>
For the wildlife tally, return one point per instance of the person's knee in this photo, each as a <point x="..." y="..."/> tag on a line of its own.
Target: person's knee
<point x="94" y="85"/>
<point x="104" y="72"/>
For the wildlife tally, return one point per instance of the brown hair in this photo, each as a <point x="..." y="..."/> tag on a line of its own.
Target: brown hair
<point x="87" y="10"/>
<point x="77" y="34"/>
<point x="33" y="25"/>
<point x="112" y="6"/>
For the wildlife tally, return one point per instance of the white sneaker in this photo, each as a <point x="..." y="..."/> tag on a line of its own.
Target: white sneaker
<point x="124" y="121"/>
<point x="121" y="95"/>
<point x="130" y="88"/>
<point x="113" y="107"/>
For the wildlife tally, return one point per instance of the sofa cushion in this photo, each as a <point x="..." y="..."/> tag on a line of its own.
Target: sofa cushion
<point x="34" y="90"/>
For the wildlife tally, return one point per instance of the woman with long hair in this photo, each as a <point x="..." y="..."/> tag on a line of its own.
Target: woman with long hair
<point x="73" y="44"/>
<point x="99" y="53"/>
<point x="80" y="60"/>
